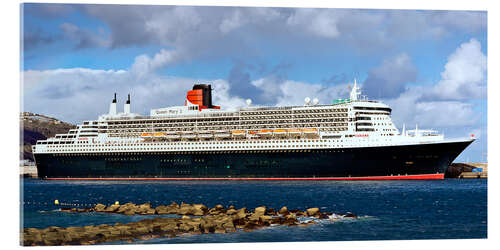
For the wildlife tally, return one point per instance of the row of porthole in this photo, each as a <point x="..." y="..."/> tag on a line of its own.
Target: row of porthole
<point x="197" y="148"/>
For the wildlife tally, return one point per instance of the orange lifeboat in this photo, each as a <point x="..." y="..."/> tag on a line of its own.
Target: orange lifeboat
<point x="310" y="130"/>
<point x="146" y="134"/>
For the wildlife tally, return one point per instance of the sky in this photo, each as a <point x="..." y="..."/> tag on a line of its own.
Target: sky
<point x="429" y="66"/>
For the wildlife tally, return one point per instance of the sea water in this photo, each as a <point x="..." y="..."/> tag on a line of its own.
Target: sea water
<point x="387" y="210"/>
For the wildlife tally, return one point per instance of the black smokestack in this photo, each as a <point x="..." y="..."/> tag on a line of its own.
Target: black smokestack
<point x="128" y="100"/>
<point x="114" y="99"/>
<point x="207" y="94"/>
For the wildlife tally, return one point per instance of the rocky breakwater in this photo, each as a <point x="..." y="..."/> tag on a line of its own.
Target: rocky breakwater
<point x="190" y="219"/>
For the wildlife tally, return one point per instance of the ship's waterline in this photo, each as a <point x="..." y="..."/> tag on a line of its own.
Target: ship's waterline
<point x="349" y="139"/>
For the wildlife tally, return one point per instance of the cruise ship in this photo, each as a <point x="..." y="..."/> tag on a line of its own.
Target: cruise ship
<point x="349" y="139"/>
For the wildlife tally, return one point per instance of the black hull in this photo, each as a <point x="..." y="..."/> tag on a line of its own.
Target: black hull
<point x="411" y="160"/>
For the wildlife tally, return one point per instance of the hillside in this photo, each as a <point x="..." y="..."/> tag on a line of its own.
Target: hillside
<point x="35" y="127"/>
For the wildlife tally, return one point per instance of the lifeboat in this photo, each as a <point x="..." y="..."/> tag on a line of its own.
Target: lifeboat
<point x="205" y="135"/>
<point x="173" y="135"/>
<point x="147" y="134"/>
<point x="310" y="130"/>
<point x="279" y="132"/>
<point x="188" y="135"/>
<point x="238" y="133"/>
<point x="159" y="134"/>
<point x="294" y="131"/>
<point x="222" y="134"/>
<point x="265" y="132"/>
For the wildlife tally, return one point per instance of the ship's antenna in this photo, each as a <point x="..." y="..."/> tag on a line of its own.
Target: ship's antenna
<point x="355" y="91"/>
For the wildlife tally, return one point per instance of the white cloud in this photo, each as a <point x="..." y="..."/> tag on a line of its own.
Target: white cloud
<point x="408" y="108"/>
<point x="464" y="76"/>
<point x="319" y="22"/>
<point x="287" y="92"/>
<point x="144" y="64"/>
<point x="233" y="22"/>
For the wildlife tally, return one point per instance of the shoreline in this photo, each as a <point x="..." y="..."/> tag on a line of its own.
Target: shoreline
<point x="192" y="219"/>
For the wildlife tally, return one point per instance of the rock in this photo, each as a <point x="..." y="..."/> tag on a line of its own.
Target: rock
<point x="250" y="226"/>
<point x="173" y="208"/>
<point x="231" y="211"/>
<point x="111" y="209"/>
<point x="283" y="211"/>
<point x="185" y="217"/>
<point x="129" y="212"/>
<point x="260" y="210"/>
<point x="271" y="211"/>
<point x="265" y="220"/>
<point x="290" y="219"/>
<point x="219" y="207"/>
<point x="220" y="230"/>
<point x="161" y="210"/>
<point x="199" y="209"/>
<point x="144" y="208"/>
<point x="99" y="207"/>
<point x="254" y="217"/>
<point x="127" y="207"/>
<point x="312" y="211"/>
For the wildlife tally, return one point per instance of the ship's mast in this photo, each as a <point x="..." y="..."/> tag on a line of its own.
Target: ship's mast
<point x="355" y="92"/>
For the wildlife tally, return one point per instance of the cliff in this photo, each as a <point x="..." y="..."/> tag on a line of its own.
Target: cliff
<point x="35" y="127"/>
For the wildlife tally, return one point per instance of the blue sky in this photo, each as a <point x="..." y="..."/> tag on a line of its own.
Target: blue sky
<point x="430" y="66"/>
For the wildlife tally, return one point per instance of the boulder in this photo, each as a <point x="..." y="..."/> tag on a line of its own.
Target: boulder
<point x="111" y="209"/>
<point x="231" y="211"/>
<point x="283" y="211"/>
<point x="143" y="208"/>
<point x="220" y="230"/>
<point x="199" y="209"/>
<point x="214" y="211"/>
<point x="99" y="207"/>
<point x="129" y="212"/>
<point x="260" y="210"/>
<point x="242" y="212"/>
<point x="312" y="211"/>
<point x="265" y="220"/>
<point x="271" y="211"/>
<point x="290" y="219"/>
<point x="126" y="207"/>
<point x="161" y="210"/>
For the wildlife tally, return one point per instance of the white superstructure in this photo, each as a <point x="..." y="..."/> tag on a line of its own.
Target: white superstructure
<point x="346" y="123"/>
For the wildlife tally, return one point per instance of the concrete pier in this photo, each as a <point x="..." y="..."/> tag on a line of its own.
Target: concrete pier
<point x="475" y="175"/>
<point x="28" y="171"/>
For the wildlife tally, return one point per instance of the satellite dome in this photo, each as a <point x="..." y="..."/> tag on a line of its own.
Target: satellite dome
<point x="307" y="100"/>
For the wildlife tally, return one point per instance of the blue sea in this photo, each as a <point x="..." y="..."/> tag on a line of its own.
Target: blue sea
<point x="387" y="210"/>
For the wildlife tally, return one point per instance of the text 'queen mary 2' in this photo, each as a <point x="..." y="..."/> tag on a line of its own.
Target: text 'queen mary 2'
<point x="350" y="139"/>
